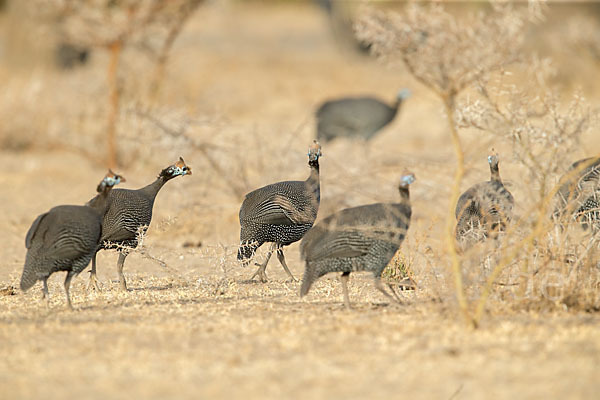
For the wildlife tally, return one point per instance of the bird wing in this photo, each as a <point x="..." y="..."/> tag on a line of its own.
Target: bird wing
<point x="277" y="208"/>
<point x="300" y="213"/>
<point x="33" y="230"/>
<point x="343" y="124"/>
<point x="268" y="211"/>
<point x="323" y="243"/>
<point x="117" y="233"/>
<point x="58" y="236"/>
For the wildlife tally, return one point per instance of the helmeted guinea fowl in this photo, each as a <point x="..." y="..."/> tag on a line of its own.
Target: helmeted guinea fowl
<point x="65" y="239"/>
<point x="129" y="214"/>
<point x="356" y="117"/>
<point x="485" y="208"/>
<point x="361" y="238"/>
<point x="280" y="213"/>
<point x="579" y="193"/>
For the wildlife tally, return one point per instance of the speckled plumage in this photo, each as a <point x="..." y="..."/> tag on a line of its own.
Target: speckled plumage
<point x="361" y="238"/>
<point x="579" y="193"/>
<point x="130" y="211"/>
<point x="484" y="209"/>
<point x="360" y="117"/>
<point x="280" y="213"/>
<point x="64" y="239"/>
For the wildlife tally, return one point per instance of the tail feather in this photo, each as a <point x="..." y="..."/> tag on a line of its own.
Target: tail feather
<point x="309" y="277"/>
<point x="28" y="279"/>
<point x="247" y="249"/>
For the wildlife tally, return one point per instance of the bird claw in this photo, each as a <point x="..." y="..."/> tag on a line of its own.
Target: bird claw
<point x="93" y="283"/>
<point x="262" y="277"/>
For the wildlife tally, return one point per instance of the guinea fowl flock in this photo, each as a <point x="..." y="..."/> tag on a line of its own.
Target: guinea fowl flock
<point x="363" y="238"/>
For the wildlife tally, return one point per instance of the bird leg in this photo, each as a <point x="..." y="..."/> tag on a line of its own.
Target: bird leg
<point x="70" y="275"/>
<point x="407" y="284"/>
<point x="45" y="294"/>
<point x="120" y="262"/>
<point x="281" y="259"/>
<point x="262" y="276"/>
<point x="379" y="286"/>
<point x="93" y="282"/>
<point x="396" y="296"/>
<point x="344" y="280"/>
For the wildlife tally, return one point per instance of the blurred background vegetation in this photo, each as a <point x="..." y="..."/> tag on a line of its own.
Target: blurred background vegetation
<point x="233" y="85"/>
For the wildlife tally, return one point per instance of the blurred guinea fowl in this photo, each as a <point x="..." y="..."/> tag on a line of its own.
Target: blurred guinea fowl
<point x="485" y="208"/>
<point x="361" y="238"/>
<point x="280" y="213"/>
<point x="356" y="117"/>
<point x="579" y="193"/>
<point x="65" y="239"/>
<point x="129" y="214"/>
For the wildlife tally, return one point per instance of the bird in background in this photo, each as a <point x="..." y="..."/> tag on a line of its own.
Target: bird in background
<point x="356" y="117"/>
<point x="578" y="197"/>
<point x="484" y="209"/>
<point x="363" y="238"/>
<point x="280" y="213"/>
<point x="129" y="215"/>
<point x="65" y="239"/>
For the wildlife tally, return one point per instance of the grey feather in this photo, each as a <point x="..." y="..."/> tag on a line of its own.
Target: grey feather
<point x="484" y="209"/>
<point x="33" y="229"/>
<point x="130" y="211"/>
<point x="361" y="238"/>
<point x="358" y="117"/>
<point x="578" y="196"/>
<point x="281" y="212"/>
<point x="64" y="239"/>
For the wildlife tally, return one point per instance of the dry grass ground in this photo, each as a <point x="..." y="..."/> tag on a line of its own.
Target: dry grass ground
<point x="245" y="80"/>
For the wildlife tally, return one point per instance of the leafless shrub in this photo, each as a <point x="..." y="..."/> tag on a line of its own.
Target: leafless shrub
<point x="448" y="56"/>
<point x="470" y="64"/>
<point x="140" y="249"/>
<point x="544" y="132"/>
<point x="150" y="26"/>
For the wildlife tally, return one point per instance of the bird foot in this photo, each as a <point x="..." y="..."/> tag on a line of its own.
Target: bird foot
<point x="262" y="276"/>
<point x="260" y="272"/>
<point x="407" y="284"/>
<point x="93" y="283"/>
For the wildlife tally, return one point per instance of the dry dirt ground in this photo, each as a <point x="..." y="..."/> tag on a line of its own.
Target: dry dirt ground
<point x="191" y="327"/>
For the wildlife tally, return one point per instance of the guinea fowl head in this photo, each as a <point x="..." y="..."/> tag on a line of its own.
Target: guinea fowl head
<point x="177" y="169"/>
<point x="403" y="94"/>
<point x="406" y="179"/>
<point x="110" y="179"/>
<point x="314" y="152"/>
<point x="493" y="161"/>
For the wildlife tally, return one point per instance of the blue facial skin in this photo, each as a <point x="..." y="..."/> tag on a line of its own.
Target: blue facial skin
<point x="111" y="181"/>
<point x="177" y="171"/>
<point x="490" y="159"/>
<point x="404" y="94"/>
<point x="408" y="179"/>
<point x="314" y="155"/>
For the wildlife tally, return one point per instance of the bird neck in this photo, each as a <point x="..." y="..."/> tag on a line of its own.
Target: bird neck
<point x="404" y="194"/>
<point x="152" y="189"/>
<point x="495" y="173"/>
<point x="313" y="180"/>
<point x="100" y="202"/>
